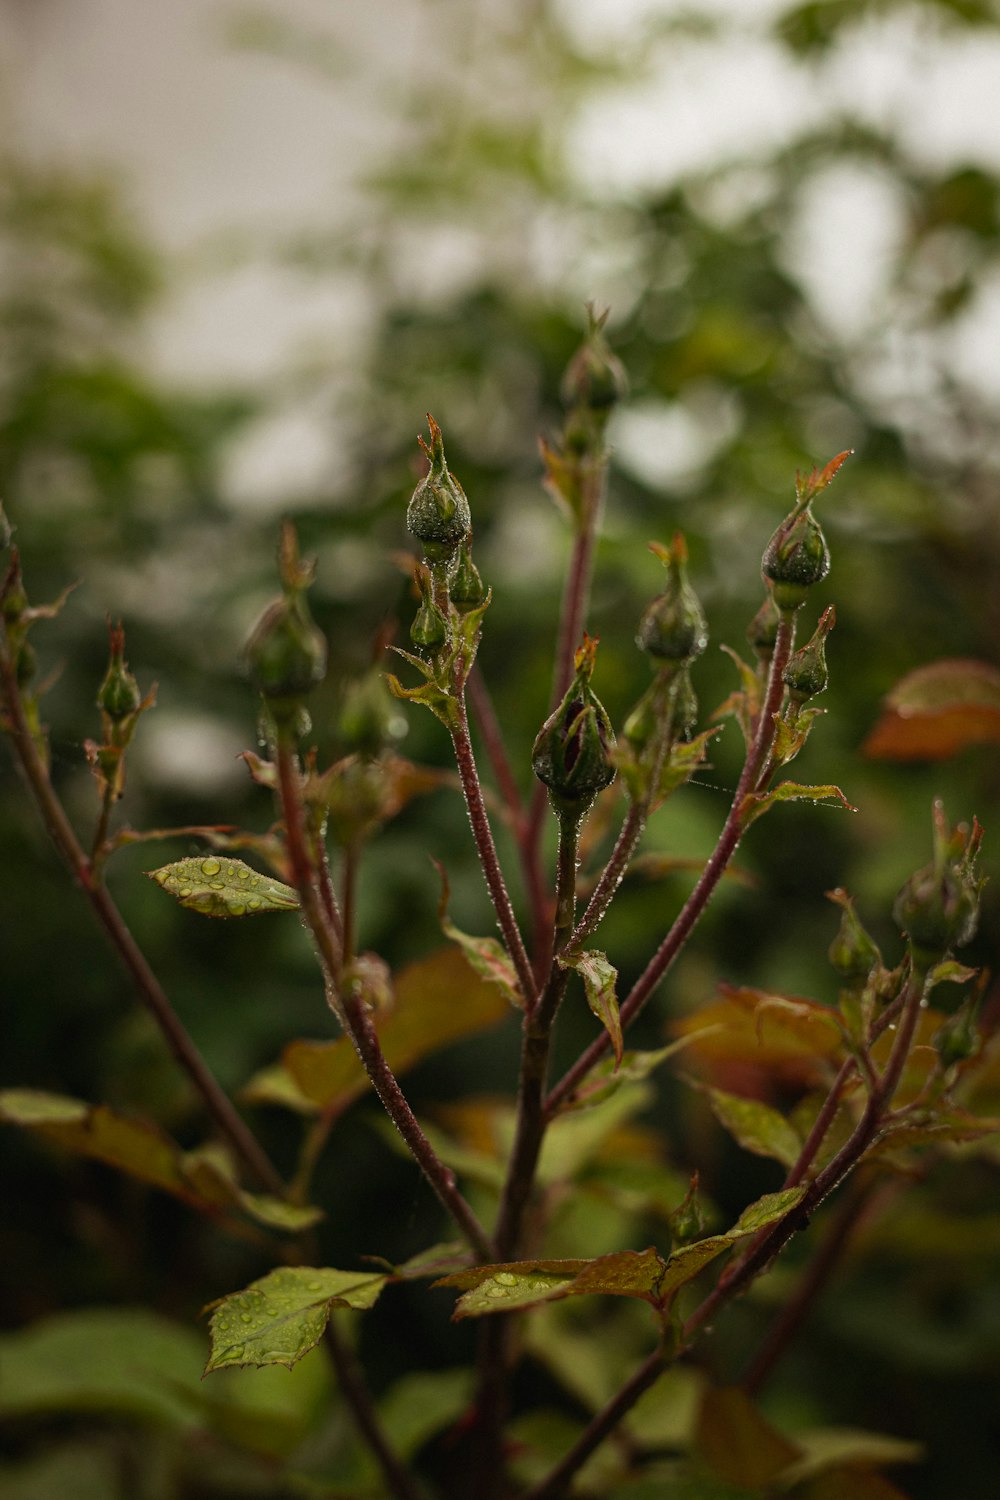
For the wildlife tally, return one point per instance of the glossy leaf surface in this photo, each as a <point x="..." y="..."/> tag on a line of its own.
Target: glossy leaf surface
<point x="278" y="1319"/>
<point x="221" y="887"/>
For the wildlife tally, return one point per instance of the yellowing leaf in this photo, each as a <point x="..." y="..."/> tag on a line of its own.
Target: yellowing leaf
<point x="221" y="887"/>
<point x="205" y="1178"/>
<point x="438" y="1000"/>
<point x="277" y="1319"/>
<point x="736" y="1441"/>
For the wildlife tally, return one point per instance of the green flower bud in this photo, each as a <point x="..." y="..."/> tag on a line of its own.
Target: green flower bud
<point x="466" y="588"/>
<point x="119" y="694"/>
<point x="938" y="907"/>
<point x="673" y="628"/>
<point x="438" y="514"/>
<point x="430" y="626"/>
<point x="795" y="558"/>
<point x="806" y="674"/>
<point x="959" y="1038"/>
<point x="286" y="653"/>
<point x="571" y="753"/>
<point x="595" y="378"/>
<point x="762" y="632"/>
<point x="852" y="953"/>
<point x="370" y="718"/>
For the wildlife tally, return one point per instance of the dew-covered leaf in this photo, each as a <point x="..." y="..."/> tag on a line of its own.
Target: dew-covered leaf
<point x="280" y="1317"/>
<point x="599" y="978"/>
<point x="686" y="1262"/>
<point x="486" y="955"/>
<point x="515" y="1284"/>
<point x="755" y="1125"/>
<point x="755" y="804"/>
<point x="221" y="887"/>
<point x="938" y="711"/>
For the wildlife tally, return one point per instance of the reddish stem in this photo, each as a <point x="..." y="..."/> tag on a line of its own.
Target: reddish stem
<point x="712" y="873"/>
<point x="219" y="1106"/>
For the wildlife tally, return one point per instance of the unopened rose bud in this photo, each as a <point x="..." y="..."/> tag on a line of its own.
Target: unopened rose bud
<point x="119" y="694"/>
<point x="438" y="514"/>
<point x="806" y="674"/>
<point x="796" y="558"/>
<point x="673" y="628"/>
<point x="571" y="752"/>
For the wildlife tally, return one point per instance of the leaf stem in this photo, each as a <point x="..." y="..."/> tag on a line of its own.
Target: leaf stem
<point x="712" y="873"/>
<point x="217" y="1103"/>
<point x="576" y="594"/>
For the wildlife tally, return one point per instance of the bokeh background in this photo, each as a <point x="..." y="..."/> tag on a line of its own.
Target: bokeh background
<point x="243" y="250"/>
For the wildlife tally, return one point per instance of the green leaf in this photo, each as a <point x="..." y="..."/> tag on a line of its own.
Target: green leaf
<point x="757" y="803"/>
<point x="642" y="1274"/>
<point x="609" y="1076"/>
<point x="516" y="1284"/>
<point x="487" y="956"/>
<point x="685" y="1263"/>
<point x="839" y="1447"/>
<point x="125" y="1362"/>
<point x="599" y="978"/>
<point x="221" y="887"/>
<point x="277" y="1319"/>
<point x="755" y="1125"/>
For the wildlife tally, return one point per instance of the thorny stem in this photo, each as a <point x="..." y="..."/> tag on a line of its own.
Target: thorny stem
<point x="528" y="1135"/>
<point x="356" y="1019"/>
<point x="855" y="1210"/>
<point x="712" y="873"/>
<point x="554" y="1484"/>
<point x="574" y="610"/>
<point x="483" y="836"/>
<point x="767" y="1245"/>
<point x="218" y="1104"/>
<point x="528" y="851"/>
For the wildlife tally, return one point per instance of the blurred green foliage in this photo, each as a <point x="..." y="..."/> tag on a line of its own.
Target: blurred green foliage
<point x="112" y="477"/>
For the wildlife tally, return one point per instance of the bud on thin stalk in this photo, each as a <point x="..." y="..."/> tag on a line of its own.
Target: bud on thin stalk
<point x="571" y="753"/>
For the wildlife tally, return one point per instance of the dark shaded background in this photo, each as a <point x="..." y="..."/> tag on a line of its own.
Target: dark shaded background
<point x="112" y="477"/>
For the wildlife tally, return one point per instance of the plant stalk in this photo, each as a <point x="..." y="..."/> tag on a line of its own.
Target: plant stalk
<point x="712" y="873"/>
